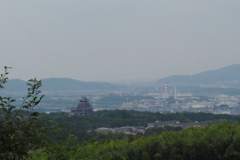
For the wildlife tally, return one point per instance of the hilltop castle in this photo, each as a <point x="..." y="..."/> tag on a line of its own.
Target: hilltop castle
<point x="83" y="108"/>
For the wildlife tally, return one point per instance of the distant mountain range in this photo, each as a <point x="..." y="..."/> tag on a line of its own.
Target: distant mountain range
<point x="59" y="84"/>
<point x="225" y="74"/>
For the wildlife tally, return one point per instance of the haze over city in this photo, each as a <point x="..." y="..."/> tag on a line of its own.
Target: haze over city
<point x="115" y="40"/>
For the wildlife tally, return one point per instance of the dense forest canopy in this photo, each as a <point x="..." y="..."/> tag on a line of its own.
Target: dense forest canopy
<point x="80" y="125"/>
<point x="216" y="141"/>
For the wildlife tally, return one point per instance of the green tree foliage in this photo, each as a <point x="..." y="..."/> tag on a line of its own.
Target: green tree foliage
<point x="214" y="142"/>
<point x="20" y="128"/>
<point x="159" y="130"/>
<point x="82" y="125"/>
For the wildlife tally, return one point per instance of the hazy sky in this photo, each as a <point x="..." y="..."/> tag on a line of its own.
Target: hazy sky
<point x="104" y="40"/>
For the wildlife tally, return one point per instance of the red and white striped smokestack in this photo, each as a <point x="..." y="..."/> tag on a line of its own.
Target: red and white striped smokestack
<point x="165" y="87"/>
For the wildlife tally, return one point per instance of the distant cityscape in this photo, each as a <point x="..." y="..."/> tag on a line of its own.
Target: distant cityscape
<point x="215" y="91"/>
<point x="175" y="101"/>
<point x="164" y="99"/>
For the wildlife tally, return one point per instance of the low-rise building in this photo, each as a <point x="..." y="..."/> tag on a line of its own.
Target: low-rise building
<point x="178" y="124"/>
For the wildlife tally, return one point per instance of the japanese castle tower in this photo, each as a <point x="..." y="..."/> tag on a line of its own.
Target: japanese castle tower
<point x="83" y="108"/>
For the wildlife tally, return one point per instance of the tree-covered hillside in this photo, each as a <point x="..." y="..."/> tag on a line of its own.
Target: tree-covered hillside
<point x="214" y="142"/>
<point x="81" y="125"/>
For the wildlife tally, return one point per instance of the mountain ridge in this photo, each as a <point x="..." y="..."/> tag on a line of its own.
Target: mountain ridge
<point x="59" y="84"/>
<point x="224" y="74"/>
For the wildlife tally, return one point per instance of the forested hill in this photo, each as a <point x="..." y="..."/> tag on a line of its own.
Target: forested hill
<point x="219" y="140"/>
<point x="60" y="84"/>
<point x="225" y="74"/>
<point x="79" y="125"/>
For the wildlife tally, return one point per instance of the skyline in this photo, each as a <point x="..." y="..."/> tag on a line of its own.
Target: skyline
<point x="110" y="41"/>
